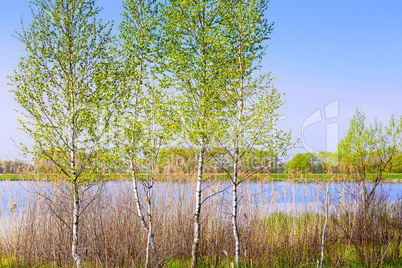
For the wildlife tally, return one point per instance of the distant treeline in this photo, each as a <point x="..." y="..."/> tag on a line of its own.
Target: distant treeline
<point x="174" y="160"/>
<point x="184" y="160"/>
<point x="179" y="160"/>
<point x="324" y="162"/>
<point x="15" y="167"/>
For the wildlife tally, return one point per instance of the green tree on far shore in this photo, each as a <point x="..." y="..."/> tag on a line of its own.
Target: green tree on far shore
<point x="300" y="163"/>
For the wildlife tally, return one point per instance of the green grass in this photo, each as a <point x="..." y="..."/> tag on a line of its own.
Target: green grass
<point x="11" y="262"/>
<point x="206" y="263"/>
<point x="19" y="177"/>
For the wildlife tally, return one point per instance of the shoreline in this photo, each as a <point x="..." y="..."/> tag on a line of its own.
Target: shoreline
<point x="214" y="177"/>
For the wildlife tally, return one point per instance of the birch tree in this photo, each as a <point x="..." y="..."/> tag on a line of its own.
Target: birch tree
<point x="253" y="102"/>
<point x="365" y="153"/>
<point x="145" y="125"/>
<point x="66" y="93"/>
<point x="142" y="132"/>
<point x="192" y="61"/>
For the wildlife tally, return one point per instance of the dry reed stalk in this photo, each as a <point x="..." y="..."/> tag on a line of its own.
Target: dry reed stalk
<point x="272" y="235"/>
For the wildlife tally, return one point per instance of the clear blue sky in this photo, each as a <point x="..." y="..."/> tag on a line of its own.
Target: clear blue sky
<point x="320" y="52"/>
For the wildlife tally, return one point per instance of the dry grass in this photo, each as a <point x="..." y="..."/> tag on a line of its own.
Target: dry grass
<point x="33" y="233"/>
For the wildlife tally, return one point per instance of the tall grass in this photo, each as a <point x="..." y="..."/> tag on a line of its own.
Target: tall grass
<point x="35" y="230"/>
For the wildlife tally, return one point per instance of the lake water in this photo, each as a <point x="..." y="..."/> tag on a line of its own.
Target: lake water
<point x="270" y="197"/>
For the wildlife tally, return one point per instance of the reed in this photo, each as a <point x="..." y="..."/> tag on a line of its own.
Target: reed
<point x="34" y="233"/>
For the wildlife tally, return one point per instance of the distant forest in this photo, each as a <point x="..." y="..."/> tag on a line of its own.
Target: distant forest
<point x="177" y="160"/>
<point x="174" y="160"/>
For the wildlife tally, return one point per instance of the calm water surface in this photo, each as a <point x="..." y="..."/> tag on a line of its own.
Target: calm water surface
<point x="272" y="196"/>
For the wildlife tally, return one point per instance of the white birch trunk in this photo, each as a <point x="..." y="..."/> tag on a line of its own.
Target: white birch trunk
<point x="234" y="210"/>
<point x="196" y="241"/>
<point x="150" y="240"/>
<point x="76" y="198"/>
<point x="137" y="199"/>
<point x="236" y="154"/>
<point x="76" y="212"/>
<point x="147" y="228"/>
<point x="325" y="224"/>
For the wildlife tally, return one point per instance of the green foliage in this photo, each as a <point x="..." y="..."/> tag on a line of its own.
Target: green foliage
<point x="395" y="166"/>
<point x="369" y="148"/>
<point x="300" y="163"/>
<point x="145" y="120"/>
<point x="246" y="30"/>
<point x="314" y="163"/>
<point x="252" y="103"/>
<point x="64" y="86"/>
<point x="177" y="160"/>
<point x="192" y="60"/>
